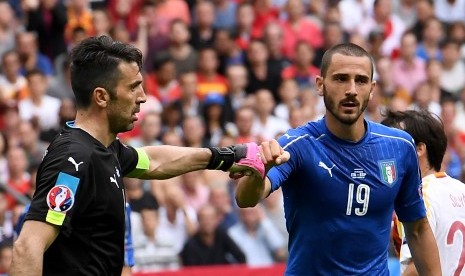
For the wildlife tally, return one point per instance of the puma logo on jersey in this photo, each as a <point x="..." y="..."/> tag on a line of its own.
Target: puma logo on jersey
<point x="289" y="136"/>
<point x="323" y="165"/>
<point x="76" y="165"/>
<point x="113" y="180"/>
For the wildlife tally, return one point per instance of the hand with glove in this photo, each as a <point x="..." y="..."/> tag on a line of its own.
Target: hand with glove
<point x="247" y="159"/>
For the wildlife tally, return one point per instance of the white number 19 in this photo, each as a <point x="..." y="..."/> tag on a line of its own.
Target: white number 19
<point x="362" y="196"/>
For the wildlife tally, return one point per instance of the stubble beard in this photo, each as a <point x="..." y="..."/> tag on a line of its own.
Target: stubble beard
<point x="349" y="120"/>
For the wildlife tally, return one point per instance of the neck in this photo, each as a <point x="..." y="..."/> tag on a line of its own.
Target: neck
<point x="95" y="125"/>
<point x="207" y="238"/>
<point x="353" y="132"/>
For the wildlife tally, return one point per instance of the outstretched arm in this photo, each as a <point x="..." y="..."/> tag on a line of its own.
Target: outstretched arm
<point x="423" y="247"/>
<point x="169" y="161"/>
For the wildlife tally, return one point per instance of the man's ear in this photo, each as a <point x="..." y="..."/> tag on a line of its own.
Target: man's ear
<point x="101" y="97"/>
<point x="421" y="150"/>
<point x="319" y="85"/>
<point x="372" y="90"/>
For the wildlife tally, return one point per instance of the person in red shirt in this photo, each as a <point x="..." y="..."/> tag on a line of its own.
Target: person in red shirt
<point x="297" y="27"/>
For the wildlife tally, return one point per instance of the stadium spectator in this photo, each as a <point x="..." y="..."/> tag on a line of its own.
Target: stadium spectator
<point x="237" y="95"/>
<point x="261" y="73"/>
<point x="3" y="162"/>
<point x="203" y="30"/>
<point x="150" y="130"/>
<point x="450" y="11"/>
<point x="385" y="22"/>
<point x="264" y="14"/>
<point x="12" y="83"/>
<point x="452" y="68"/>
<point x="208" y="79"/>
<point x="244" y="120"/>
<point x="273" y="37"/>
<point x="30" y="142"/>
<point x="214" y="118"/>
<point x="433" y="34"/>
<point x="221" y="200"/>
<point x="302" y="69"/>
<point x="408" y="70"/>
<point x="30" y="56"/>
<point x="144" y="219"/>
<point x="456" y="31"/>
<point x="257" y="237"/>
<point x="266" y="125"/>
<point x="66" y="113"/>
<point x="424" y="11"/>
<point x="188" y="104"/>
<point x="9" y="25"/>
<point x="6" y="253"/>
<point x="184" y="56"/>
<point x="333" y="34"/>
<point x="451" y="160"/>
<point x="6" y="219"/>
<point x="38" y="105"/>
<point x="48" y="20"/>
<point x="225" y="14"/>
<point x="196" y="192"/>
<point x="161" y="82"/>
<point x="79" y="15"/>
<point x="433" y="77"/>
<point x="245" y="17"/>
<point x="193" y="129"/>
<point x="60" y="85"/>
<point x="177" y="222"/>
<point x="101" y="22"/>
<point x="210" y="245"/>
<point x="228" y="51"/>
<point x="19" y="180"/>
<point x="299" y="28"/>
<point x="289" y="98"/>
<point x="423" y="100"/>
<point x="274" y="211"/>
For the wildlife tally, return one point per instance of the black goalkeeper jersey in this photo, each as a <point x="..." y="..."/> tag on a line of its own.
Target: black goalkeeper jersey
<point x="80" y="188"/>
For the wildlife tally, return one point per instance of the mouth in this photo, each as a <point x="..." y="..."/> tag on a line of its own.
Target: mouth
<point x="349" y="105"/>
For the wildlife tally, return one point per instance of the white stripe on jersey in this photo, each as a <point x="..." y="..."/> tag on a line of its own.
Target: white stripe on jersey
<point x="295" y="140"/>
<point x="411" y="143"/>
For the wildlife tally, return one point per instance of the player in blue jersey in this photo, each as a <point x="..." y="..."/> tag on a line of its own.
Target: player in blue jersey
<point x="342" y="177"/>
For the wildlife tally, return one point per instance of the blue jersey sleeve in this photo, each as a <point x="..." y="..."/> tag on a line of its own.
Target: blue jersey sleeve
<point x="280" y="174"/>
<point x="409" y="203"/>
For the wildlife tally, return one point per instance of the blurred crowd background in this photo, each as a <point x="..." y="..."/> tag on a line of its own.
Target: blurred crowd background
<point x="217" y="73"/>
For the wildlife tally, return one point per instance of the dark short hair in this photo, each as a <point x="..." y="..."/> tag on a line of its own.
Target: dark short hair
<point x="346" y="49"/>
<point x="425" y="128"/>
<point x="94" y="63"/>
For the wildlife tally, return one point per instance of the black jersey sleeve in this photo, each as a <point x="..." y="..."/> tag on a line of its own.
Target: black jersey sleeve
<point x="128" y="157"/>
<point x="61" y="175"/>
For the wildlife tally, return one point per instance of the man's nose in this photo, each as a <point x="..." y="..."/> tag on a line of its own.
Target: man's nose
<point x="142" y="98"/>
<point x="352" y="88"/>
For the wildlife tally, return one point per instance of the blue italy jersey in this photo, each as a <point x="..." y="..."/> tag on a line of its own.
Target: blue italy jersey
<point x="128" y="247"/>
<point x="339" y="197"/>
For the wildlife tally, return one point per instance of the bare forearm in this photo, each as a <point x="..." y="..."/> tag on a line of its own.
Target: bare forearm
<point x="250" y="190"/>
<point x="423" y="246"/>
<point x="26" y="262"/>
<point x="171" y="161"/>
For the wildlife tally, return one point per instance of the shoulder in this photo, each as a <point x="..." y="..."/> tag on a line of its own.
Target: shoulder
<point x="389" y="134"/>
<point x="70" y="146"/>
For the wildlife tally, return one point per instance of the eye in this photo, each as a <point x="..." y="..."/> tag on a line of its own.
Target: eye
<point x="361" y="80"/>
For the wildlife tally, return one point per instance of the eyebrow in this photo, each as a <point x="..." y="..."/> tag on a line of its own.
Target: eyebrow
<point x="135" y="84"/>
<point x="358" y="76"/>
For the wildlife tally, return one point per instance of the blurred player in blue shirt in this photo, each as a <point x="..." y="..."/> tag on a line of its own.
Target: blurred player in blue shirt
<point x="342" y="177"/>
